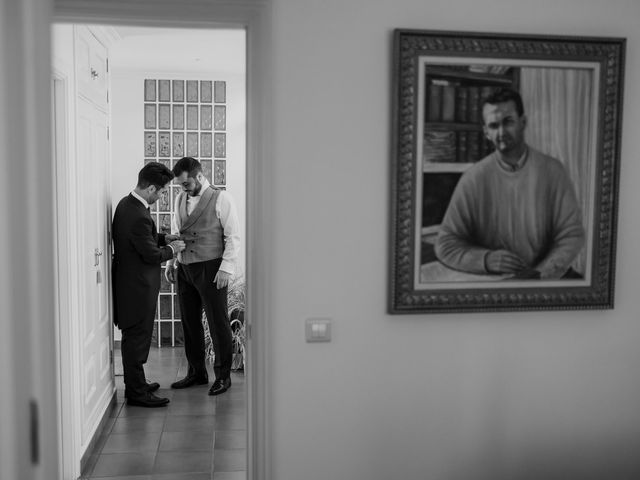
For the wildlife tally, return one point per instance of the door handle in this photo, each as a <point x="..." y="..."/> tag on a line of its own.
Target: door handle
<point x="97" y="253"/>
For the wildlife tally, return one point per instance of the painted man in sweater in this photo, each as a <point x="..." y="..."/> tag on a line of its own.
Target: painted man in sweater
<point x="515" y="212"/>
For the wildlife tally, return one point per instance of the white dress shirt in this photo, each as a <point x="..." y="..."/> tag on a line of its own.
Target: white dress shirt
<point x="142" y="200"/>
<point x="228" y="216"/>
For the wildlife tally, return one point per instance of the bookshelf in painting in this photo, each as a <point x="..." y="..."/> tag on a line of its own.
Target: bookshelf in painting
<point x="453" y="139"/>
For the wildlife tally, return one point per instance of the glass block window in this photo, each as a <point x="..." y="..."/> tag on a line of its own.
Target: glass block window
<point x="182" y="118"/>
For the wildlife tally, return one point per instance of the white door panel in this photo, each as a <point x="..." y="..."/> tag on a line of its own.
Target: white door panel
<point x="83" y="207"/>
<point x="95" y="325"/>
<point x="91" y="67"/>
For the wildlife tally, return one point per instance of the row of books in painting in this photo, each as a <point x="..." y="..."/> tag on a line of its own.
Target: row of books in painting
<point x="462" y="146"/>
<point x="451" y="102"/>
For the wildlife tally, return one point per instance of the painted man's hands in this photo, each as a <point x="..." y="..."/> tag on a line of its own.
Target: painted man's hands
<point x="504" y="261"/>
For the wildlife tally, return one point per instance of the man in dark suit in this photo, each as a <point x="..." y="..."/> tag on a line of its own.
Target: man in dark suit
<point x="138" y="252"/>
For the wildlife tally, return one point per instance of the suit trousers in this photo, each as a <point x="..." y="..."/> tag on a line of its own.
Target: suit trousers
<point x="196" y="290"/>
<point x="136" y="341"/>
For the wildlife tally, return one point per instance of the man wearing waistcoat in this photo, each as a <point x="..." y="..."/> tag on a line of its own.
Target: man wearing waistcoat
<point x="206" y="219"/>
<point x="138" y="252"/>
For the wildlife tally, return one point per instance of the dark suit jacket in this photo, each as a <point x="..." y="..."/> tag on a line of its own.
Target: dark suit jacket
<point x="138" y="252"/>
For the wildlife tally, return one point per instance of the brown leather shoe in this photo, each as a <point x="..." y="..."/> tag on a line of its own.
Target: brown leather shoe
<point x="148" y="400"/>
<point x="189" y="381"/>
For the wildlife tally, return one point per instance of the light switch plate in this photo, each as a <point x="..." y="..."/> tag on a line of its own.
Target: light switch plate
<point x="318" y="330"/>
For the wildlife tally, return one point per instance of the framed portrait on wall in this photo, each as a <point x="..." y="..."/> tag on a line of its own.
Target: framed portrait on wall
<point x="505" y="168"/>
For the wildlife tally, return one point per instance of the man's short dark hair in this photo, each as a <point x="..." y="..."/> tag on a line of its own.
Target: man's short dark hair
<point x="189" y="165"/>
<point x="502" y="95"/>
<point x="154" y="173"/>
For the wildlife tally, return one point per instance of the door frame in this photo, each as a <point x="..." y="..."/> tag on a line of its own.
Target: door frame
<point x="255" y="17"/>
<point x="67" y="279"/>
<point x="28" y="406"/>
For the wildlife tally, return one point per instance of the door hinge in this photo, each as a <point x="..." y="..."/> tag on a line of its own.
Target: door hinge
<point x="111" y="357"/>
<point x="34" y="432"/>
<point x="107" y="133"/>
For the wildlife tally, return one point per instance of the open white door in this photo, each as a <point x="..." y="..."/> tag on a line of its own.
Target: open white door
<point x="94" y="324"/>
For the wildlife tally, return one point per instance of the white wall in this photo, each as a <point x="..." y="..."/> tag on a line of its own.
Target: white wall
<point x="171" y="55"/>
<point x="553" y="395"/>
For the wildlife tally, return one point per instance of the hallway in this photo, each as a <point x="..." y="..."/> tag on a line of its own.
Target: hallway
<point x="197" y="437"/>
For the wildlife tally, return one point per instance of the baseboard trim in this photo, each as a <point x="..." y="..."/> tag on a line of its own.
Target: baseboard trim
<point x="92" y="452"/>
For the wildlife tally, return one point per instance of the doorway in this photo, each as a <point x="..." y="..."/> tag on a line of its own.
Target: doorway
<point x="33" y="452"/>
<point x="162" y="92"/>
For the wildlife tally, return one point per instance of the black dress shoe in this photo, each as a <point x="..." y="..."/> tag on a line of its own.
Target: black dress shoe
<point x="190" y="380"/>
<point x="148" y="400"/>
<point x="221" y="385"/>
<point x="151" y="387"/>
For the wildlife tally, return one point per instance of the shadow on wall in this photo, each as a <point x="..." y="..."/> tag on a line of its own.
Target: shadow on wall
<point x="595" y="458"/>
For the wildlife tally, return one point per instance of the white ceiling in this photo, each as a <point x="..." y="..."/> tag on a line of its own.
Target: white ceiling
<point x="179" y="50"/>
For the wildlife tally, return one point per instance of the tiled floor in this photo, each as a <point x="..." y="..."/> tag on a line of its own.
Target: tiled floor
<point x="196" y="437"/>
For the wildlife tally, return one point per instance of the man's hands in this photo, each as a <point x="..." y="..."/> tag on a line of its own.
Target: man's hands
<point x="221" y="279"/>
<point x="175" y="243"/>
<point x="177" y="246"/>
<point x="170" y="272"/>
<point x="504" y="261"/>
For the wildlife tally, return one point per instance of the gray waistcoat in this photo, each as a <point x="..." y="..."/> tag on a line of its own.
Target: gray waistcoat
<point x="201" y="231"/>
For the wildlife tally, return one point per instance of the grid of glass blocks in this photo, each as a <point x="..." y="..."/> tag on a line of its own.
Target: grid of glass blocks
<point x="182" y="118"/>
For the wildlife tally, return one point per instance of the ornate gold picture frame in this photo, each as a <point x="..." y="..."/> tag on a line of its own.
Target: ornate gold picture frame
<point x="553" y="211"/>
